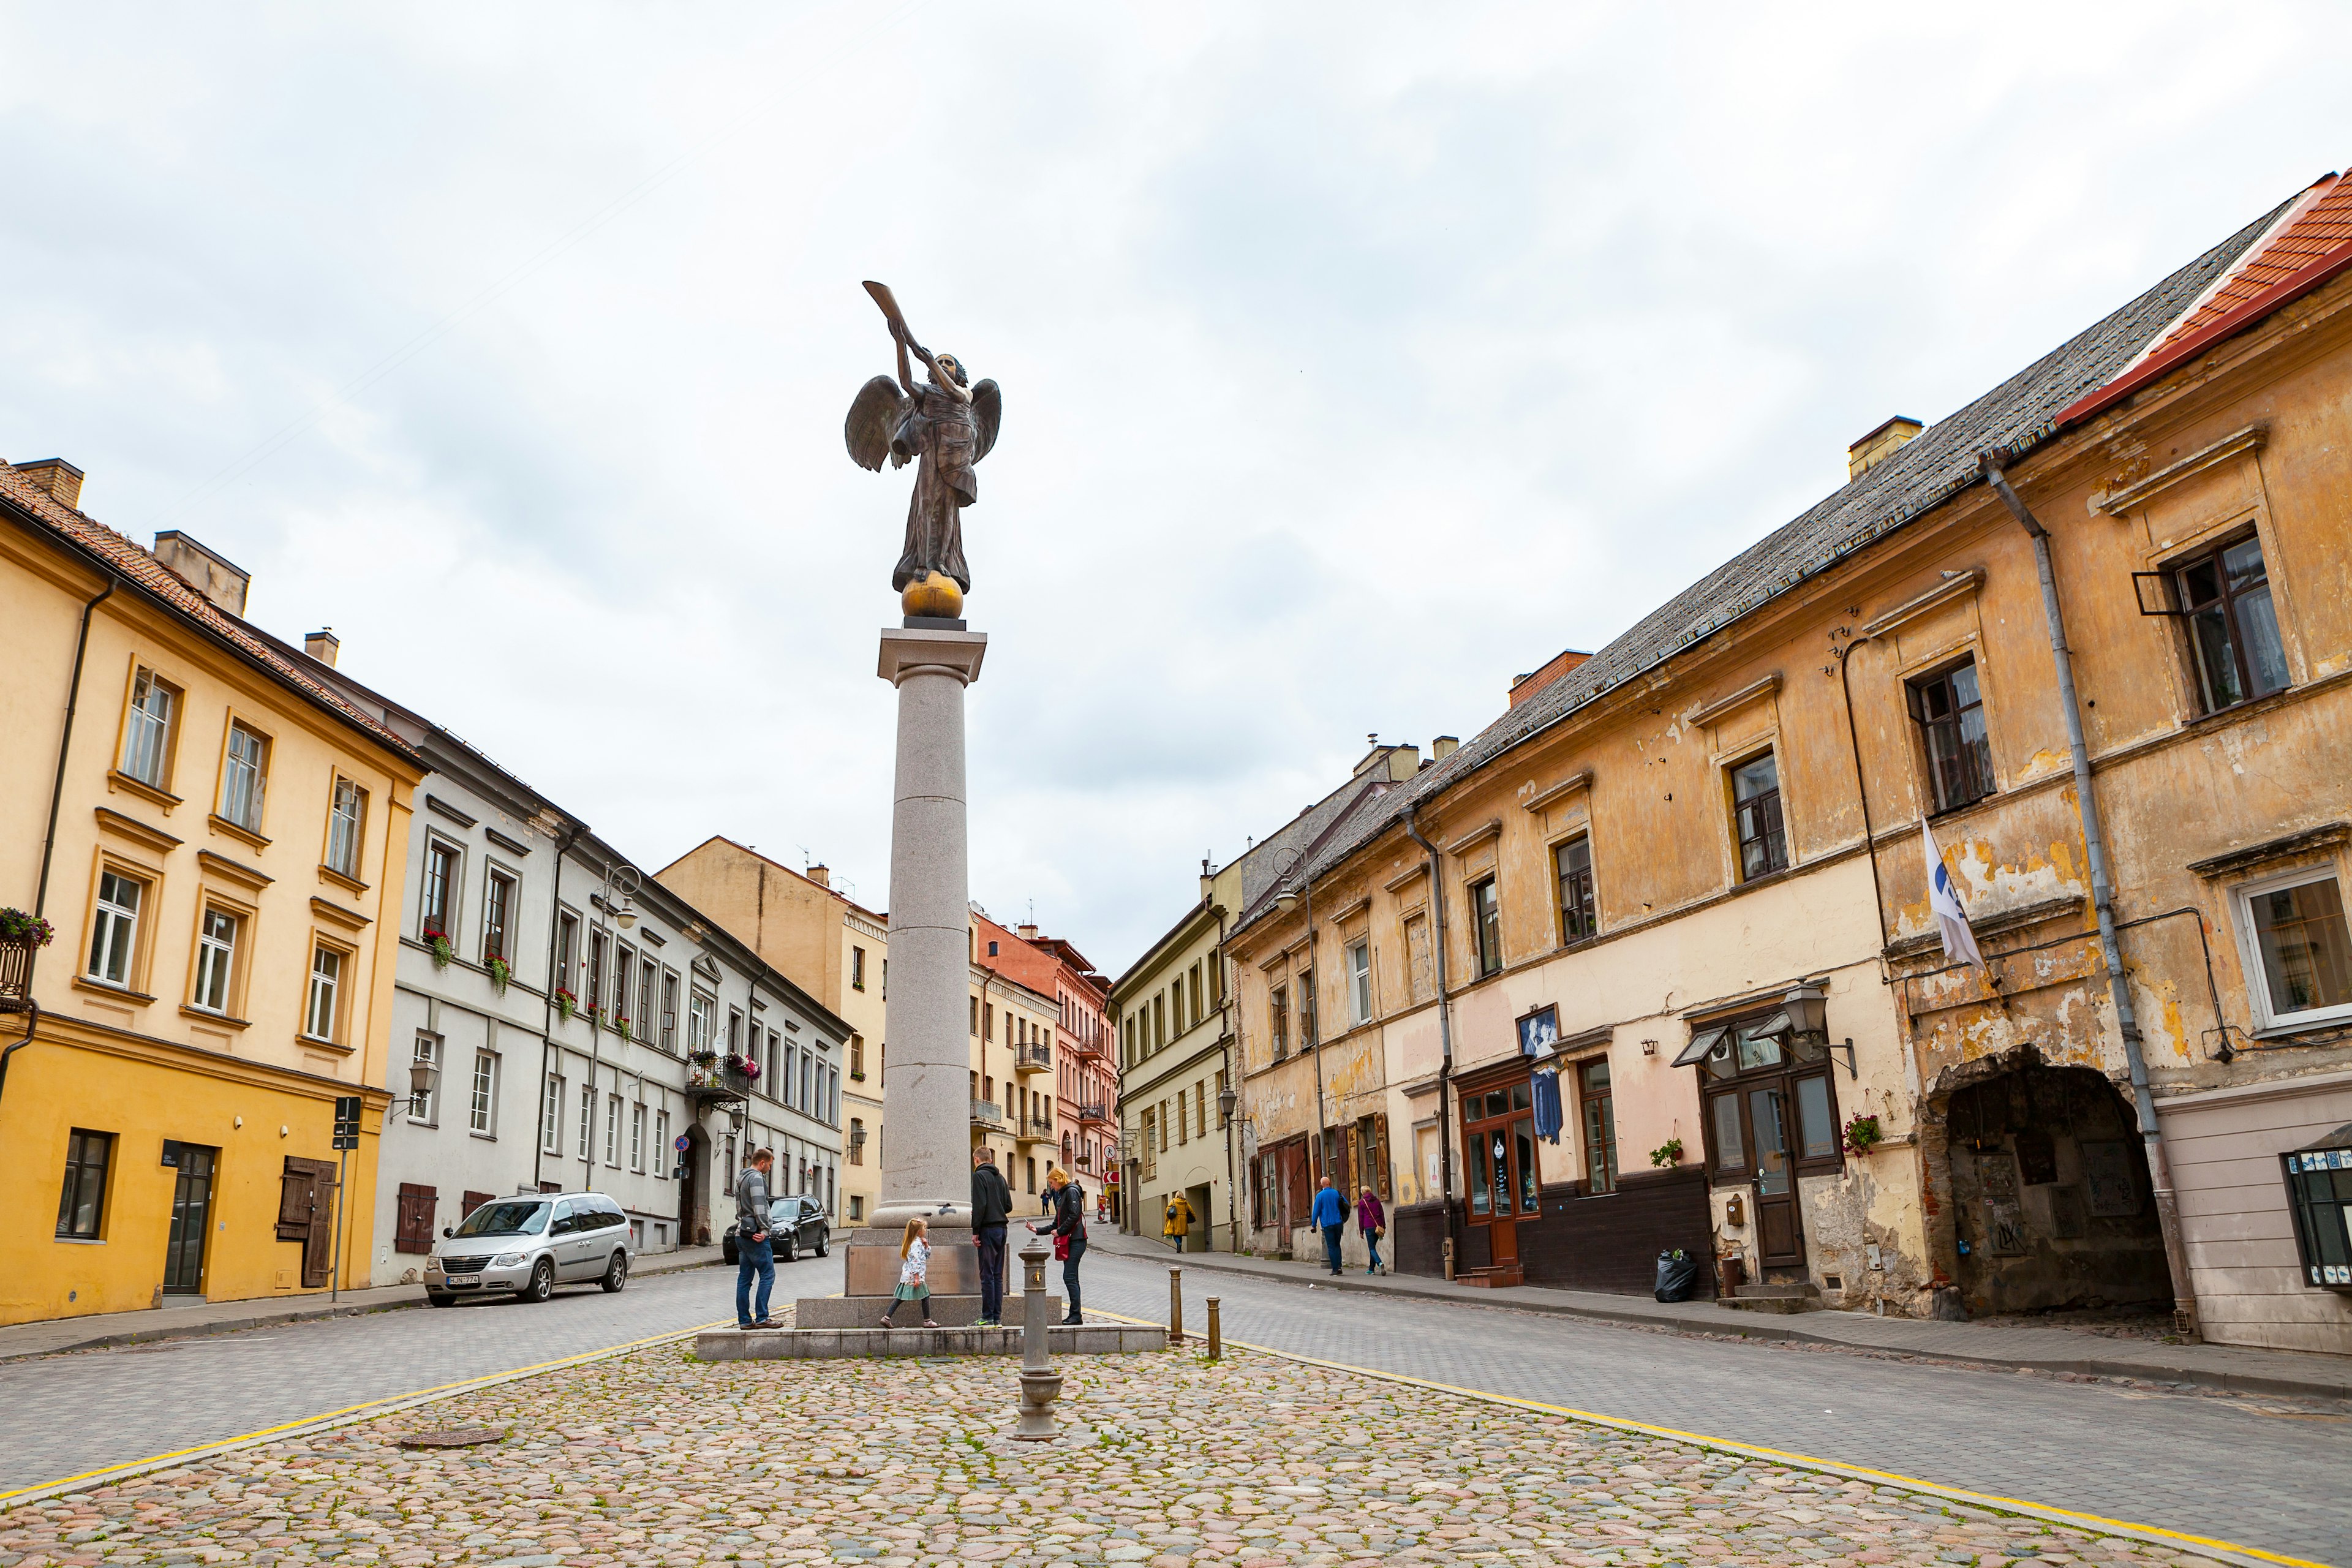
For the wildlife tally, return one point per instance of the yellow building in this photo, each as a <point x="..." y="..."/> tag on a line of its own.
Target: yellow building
<point x="212" y="836"/>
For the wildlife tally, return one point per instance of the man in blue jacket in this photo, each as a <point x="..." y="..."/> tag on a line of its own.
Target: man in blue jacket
<point x="1328" y="1215"/>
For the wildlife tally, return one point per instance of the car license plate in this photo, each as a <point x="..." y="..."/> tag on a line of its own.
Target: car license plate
<point x="465" y="1284"/>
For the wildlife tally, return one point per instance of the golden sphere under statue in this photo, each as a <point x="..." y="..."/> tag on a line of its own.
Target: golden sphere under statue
<point x="935" y="594"/>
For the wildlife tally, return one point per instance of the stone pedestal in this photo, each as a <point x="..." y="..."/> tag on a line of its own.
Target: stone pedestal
<point x="926" y="1072"/>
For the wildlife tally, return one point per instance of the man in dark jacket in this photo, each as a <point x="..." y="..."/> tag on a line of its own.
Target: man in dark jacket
<point x="992" y="1208"/>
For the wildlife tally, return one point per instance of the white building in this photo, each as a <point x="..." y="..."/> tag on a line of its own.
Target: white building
<point x="629" y="1046"/>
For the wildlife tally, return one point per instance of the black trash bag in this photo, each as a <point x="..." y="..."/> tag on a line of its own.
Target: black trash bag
<point x="1677" y="1275"/>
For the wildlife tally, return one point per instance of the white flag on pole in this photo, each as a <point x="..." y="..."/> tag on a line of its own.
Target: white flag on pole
<point x="1944" y="900"/>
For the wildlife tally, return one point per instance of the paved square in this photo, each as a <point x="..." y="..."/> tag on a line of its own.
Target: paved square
<point x="656" y="1458"/>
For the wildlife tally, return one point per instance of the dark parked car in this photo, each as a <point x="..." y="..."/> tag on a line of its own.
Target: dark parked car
<point x="800" y="1228"/>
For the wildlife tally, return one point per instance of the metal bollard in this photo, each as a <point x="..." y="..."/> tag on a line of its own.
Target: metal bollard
<point x="1175" y="1306"/>
<point x="1216" y="1337"/>
<point x="1040" y="1383"/>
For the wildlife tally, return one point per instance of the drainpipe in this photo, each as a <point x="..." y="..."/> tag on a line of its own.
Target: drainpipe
<point x="1226" y="1016"/>
<point x="2160" y="1169"/>
<point x="1444" y="1035"/>
<point x="56" y="798"/>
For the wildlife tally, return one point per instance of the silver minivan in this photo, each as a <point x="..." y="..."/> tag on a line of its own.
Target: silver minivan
<point x="526" y="1245"/>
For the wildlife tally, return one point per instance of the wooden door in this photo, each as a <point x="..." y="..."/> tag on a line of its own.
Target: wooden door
<point x="1499" y="1137"/>
<point x="191" y="1209"/>
<point x="1779" y="1236"/>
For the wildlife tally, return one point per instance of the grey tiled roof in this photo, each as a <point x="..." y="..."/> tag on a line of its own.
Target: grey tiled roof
<point x="1933" y="465"/>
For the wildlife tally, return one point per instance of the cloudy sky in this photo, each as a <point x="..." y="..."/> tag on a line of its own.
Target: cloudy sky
<point x="1354" y="357"/>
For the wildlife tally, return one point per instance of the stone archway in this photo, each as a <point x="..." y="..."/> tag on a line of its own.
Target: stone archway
<point x="2044" y="1186"/>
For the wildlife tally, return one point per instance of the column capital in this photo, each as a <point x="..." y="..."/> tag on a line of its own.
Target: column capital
<point x="908" y="652"/>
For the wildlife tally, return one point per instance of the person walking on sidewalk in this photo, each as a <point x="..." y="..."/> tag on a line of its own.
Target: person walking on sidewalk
<point x="1067" y="1203"/>
<point x="914" y="1273"/>
<point x="754" y="1248"/>
<point x="1330" y="1216"/>
<point x="992" y="1210"/>
<point x="1373" y="1221"/>
<point x="1179" y="1223"/>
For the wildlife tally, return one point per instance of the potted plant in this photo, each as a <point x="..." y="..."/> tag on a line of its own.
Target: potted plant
<point x="703" y="1058"/>
<point x="621" y="1023"/>
<point x="443" y="950"/>
<point x="501" y="972"/>
<point x="566" y="1003"/>
<point x="1862" y="1133"/>
<point x="1669" y="1152"/>
<point x="18" y="928"/>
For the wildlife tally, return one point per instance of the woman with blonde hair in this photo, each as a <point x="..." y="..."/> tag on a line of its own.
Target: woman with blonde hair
<point x="914" y="1270"/>
<point x="1067" y="1206"/>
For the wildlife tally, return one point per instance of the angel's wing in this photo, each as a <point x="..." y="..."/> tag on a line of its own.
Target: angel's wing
<point x="988" y="408"/>
<point x="873" y="417"/>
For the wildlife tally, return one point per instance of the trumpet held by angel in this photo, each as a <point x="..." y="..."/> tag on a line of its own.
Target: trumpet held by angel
<point x="944" y="425"/>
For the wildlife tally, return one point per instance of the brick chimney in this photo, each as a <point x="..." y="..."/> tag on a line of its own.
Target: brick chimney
<point x="1874" y="448"/>
<point x="820" y="874"/>
<point x="57" y="477"/>
<point x="1025" y="933"/>
<point x="213" y="575"/>
<point x="1527" y="686"/>
<point x="322" y="646"/>
<point x="1442" y="747"/>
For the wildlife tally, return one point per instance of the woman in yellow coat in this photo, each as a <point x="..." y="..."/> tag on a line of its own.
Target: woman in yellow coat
<point x="1179" y="1223"/>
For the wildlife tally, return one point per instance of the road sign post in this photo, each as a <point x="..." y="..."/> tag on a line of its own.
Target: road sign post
<point x="347" y="1138"/>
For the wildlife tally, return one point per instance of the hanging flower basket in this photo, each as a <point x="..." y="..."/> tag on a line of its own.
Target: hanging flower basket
<point x="21" y="929"/>
<point x="566" y="1003"/>
<point x="1862" y="1133"/>
<point x="438" y="941"/>
<point x="1670" y="1152"/>
<point x="501" y="972"/>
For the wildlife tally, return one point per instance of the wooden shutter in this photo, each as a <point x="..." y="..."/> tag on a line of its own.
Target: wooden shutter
<point x="473" y="1202"/>
<point x="294" y="1200"/>
<point x="306" y="1213"/>
<point x="413" y="1231"/>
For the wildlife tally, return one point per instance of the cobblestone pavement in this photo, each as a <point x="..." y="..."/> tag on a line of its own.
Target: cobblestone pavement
<point x="74" y="1413"/>
<point x="2265" y="1472"/>
<point x="1170" y="1460"/>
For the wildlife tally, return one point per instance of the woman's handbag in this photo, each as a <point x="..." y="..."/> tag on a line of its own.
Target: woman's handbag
<point x="1061" y="1249"/>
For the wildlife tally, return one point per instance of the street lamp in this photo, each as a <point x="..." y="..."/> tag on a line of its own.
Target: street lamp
<point x="423" y="1074"/>
<point x="1226" y="1101"/>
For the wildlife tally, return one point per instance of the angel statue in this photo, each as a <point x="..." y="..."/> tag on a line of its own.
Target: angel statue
<point x="944" y="425"/>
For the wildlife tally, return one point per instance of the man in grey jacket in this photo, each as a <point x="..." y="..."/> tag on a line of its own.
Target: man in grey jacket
<point x="992" y="1206"/>
<point x="754" y="1253"/>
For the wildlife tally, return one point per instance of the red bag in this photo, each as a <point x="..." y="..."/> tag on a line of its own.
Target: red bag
<point x="1061" y="1249"/>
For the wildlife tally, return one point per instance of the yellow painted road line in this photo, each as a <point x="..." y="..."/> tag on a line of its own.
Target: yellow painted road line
<point x="2229" y="1550"/>
<point x="349" y="1414"/>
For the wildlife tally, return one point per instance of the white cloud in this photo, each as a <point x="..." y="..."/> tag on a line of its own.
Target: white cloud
<point x="1355" y="359"/>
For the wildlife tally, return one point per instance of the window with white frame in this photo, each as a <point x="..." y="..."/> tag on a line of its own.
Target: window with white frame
<point x="1359" y="981"/>
<point x="790" y="1075"/>
<point x="587" y="1122"/>
<point x="438" y="908"/>
<point x="147" y="730"/>
<point x="322" y="1019"/>
<point x="114" y="928"/>
<point x="662" y="1154"/>
<point x="497" y="916"/>
<point x="244" y="776"/>
<point x="346" y="829"/>
<point x="2299" y="957"/>
<point x="613" y="1131"/>
<point x="669" y="1010"/>
<point x="638" y="1136"/>
<point x="698" y="1022"/>
<point x="648" y="972"/>
<point x="215" y="960"/>
<point x="551" y="1116"/>
<point x="486" y="1075"/>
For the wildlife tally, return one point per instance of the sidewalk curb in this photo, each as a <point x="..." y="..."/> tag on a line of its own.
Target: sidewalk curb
<point x="2089" y="1366"/>
<point x="143" y="1336"/>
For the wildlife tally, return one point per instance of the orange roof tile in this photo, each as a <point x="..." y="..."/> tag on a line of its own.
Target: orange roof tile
<point x="2320" y="225"/>
<point x="116" y="553"/>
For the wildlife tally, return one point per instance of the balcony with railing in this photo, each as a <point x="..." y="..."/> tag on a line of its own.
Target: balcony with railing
<point x="1034" y="1130"/>
<point x="1096" y="1115"/>
<point x="987" y="1113"/>
<point x="1034" y="1055"/>
<point x="1083" y="1046"/>
<point x="717" y="1080"/>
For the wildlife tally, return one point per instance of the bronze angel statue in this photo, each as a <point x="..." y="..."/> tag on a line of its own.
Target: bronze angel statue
<point x="944" y="425"/>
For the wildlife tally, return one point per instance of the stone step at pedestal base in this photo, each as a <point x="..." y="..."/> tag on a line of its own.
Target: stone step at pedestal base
<point x="865" y="1311"/>
<point x="827" y="1344"/>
